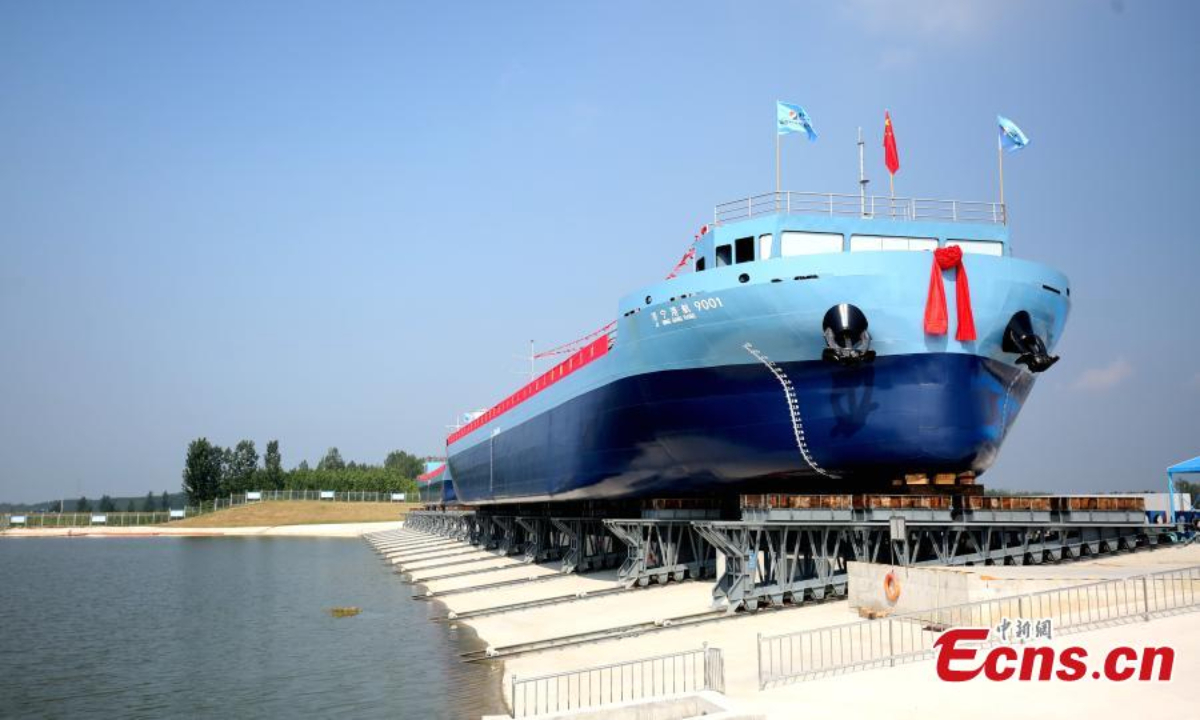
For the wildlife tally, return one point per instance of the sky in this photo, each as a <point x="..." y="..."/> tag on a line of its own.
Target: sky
<point x="339" y="224"/>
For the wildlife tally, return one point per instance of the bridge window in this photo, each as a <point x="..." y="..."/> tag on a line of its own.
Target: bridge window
<point x="744" y="249"/>
<point x="877" y="243"/>
<point x="978" y="247"/>
<point x="700" y="264"/>
<point x="764" y="246"/>
<point x="724" y="255"/>
<point x="807" y="243"/>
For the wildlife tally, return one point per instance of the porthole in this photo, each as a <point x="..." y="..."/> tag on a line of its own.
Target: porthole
<point x="648" y="299"/>
<point x="743" y="278"/>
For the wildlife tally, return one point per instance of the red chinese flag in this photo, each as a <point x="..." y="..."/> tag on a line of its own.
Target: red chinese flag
<point x="891" y="155"/>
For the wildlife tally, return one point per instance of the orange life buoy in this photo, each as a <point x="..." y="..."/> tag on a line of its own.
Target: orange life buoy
<point x="891" y="586"/>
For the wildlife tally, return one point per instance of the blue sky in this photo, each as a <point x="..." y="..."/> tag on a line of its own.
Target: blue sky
<point x="340" y="223"/>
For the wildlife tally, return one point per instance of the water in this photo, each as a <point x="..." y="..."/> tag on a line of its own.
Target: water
<point x="223" y="627"/>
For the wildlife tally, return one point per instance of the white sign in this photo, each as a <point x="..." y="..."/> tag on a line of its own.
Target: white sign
<point x="99" y="519"/>
<point x="17" y="519"/>
<point x="326" y="494"/>
<point x="397" y="497"/>
<point x="177" y="513"/>
<point x="253" y="496"/>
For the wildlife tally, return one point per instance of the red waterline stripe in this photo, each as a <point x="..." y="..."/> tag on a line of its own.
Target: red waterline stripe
<point x="592" y="351"/>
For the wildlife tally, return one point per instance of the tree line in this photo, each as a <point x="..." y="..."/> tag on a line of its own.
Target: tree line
<point x="211" y="471"/>
<point x="106" y="504"/>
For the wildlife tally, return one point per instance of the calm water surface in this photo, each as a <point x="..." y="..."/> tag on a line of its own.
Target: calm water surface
<point x="220" y="628"/>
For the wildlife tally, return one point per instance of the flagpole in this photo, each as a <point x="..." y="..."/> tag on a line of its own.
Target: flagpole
<point x="777" y="176"/>
<point x="1000" y="157"/>
<point x="862" y="178"/>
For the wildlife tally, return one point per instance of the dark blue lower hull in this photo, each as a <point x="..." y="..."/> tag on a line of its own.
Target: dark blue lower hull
<point x="729" y="430"/>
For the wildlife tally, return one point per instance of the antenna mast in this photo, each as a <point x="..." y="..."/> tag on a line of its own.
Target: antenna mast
<point x="862" y="177"/>
<point x="532" y="358"/>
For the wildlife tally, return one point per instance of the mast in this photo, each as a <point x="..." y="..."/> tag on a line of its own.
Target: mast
<point x="1000" y="159"/>
<point x="862" y="177"/>
<point x="532" y="358"/>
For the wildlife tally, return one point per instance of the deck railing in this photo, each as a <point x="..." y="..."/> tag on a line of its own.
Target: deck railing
<point x="870" y="206"/>
<point x="906" y="637"/>
<point x="658" y="676"/>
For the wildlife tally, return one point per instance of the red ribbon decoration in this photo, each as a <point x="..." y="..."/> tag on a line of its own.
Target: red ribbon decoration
<point x="936" y="317"/>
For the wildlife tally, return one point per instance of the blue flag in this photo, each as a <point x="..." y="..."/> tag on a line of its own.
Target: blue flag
<point x="792" y="118"/>
<point x="1011" y="136"/>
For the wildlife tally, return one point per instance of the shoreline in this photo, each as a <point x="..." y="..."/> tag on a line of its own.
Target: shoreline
<point x="426" y="570"/>
<point x="325" y="530"/>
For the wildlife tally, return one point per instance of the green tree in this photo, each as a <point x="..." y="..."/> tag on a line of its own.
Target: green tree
<point x="148" y="503"/>
<point x="223" y="486"/>
<point x="406" y="465"/>
<point x="165" y="501"/>
<point x="83" y="505"/>
<point x="303" y="466"/>
<point x="273" y="467"/>
<point x="202" y="470"/>
<point x="107" y="505"/>
<point x="332" y="460"/>
<point x="240" y="464"/>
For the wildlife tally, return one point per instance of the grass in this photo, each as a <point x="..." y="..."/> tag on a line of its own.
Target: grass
<point x="298" y="512"/>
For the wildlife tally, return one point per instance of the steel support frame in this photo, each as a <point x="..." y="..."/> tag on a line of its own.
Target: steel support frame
<point x="662" y="551"/>
<point x="510" y="535"/>
<point x="543" y="541"/>
<point x="588" y="545"/>
<point x="453" y="524"/>
<point x="777" y="562"/>
<point x="582" y="543"/>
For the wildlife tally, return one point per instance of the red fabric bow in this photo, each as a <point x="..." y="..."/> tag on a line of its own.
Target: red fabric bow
<point x="936" y="318"/>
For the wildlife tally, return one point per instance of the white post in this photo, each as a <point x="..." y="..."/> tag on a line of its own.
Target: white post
<point x="1000" y="157"/>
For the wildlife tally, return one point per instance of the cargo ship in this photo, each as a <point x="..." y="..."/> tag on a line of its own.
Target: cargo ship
<point x="819" y="342"/>
<point x="434" y="486"/>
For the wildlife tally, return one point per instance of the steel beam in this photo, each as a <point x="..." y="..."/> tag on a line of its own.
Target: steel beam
<point x="777" y="562"/>
<point x="662" y="551"/>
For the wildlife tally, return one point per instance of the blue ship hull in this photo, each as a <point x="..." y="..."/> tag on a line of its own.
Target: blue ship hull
<point x="654" y="435"/>
<point x="437" y="487"/>
<point x="685" y="401"/>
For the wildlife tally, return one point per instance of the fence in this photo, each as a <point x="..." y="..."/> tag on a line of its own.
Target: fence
<point x="85" y="519"/>
<point x="683" y="672"/>
<point x="910" y="636"/>
<point x="52" y="520"/>
<point x="871" y="206"/>
<point x="326" y="495"/>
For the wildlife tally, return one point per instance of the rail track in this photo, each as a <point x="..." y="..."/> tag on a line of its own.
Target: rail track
<point x="616" y="633"/>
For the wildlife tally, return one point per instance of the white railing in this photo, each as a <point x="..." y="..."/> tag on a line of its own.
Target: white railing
<point x="82" y="519"/>
<point x="662" y="675"/>
<point x="129" y="518"/>
<point x="871" y="206"/>
<point x="910" y="636"/>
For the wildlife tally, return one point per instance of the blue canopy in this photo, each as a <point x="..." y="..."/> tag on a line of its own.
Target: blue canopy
<point x="1186" y="467"/>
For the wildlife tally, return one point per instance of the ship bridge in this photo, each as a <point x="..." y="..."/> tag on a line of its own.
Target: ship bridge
<point x="786" y="224"/>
